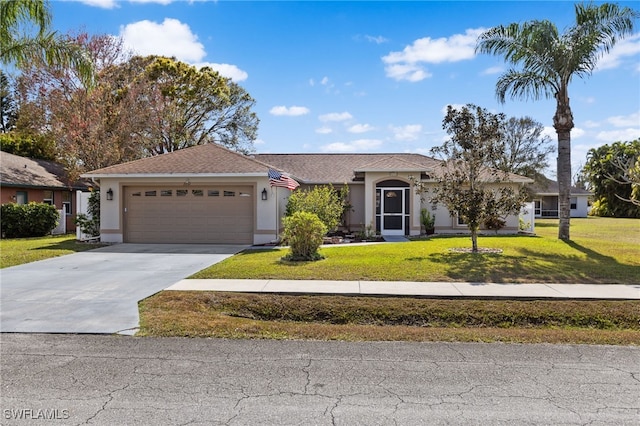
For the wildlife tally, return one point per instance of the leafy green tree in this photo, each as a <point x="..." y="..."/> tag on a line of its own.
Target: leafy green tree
<point x="8" y="107"/>
<point x="18" y="46"/>
<point x="32" y="146"/>
<point x="612" y="173"/>
<point x="303" y="231"/>
<point x="549" y="60"/>
<point x="468" y="184"/>
<point x="526" y="149"/>
<point x="324" y="201"/>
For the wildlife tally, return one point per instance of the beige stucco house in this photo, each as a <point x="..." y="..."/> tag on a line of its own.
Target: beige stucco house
<point x="209" y="194"/>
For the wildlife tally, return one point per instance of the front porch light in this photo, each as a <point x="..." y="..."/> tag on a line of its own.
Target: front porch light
<point x="264" y="194"/>
<point x="110" y="194"/>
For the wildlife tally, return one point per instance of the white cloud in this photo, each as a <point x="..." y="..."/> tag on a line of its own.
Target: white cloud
<point x="576" y="133"/>
<point x="623" y="48"/>
<point x="590" y="124"/>
<point x="409" y="72"/>
<point x="409" y="132"/>
<point x="324" y="130"/>
<point x="103" y="4"/>
<point x="360" y="145"/>
<point x="493" y="70"/>
<point x="630" y="120"/>
<point x="619" y="135"/>
<point x="376" y="39"/>
<point x="289" y="111"/>
<point x="170" y="38"/>
<point x="336" y="116"/>
<point x="324" y="81"/>
<point x="226" y="70"/>
<point x="550" y="132"/>
<point x="360" y="128"/>
<point x="406" y="64"/>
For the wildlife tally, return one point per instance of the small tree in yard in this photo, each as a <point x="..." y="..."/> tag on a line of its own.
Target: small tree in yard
<point x="303" y="231"/>
<point x="468" y="186"/>
<point x="327" y="203"/>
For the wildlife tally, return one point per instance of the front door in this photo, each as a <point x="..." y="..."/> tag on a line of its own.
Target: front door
<point x="392" y="207"/>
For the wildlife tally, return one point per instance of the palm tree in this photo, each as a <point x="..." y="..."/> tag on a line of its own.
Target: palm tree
<point x="549" y="60"/>
<point x="18" y="47"/>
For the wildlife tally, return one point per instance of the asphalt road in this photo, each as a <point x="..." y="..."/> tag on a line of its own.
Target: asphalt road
<point x="109" y="380"/>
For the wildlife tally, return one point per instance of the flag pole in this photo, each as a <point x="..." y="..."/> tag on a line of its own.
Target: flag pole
<point x="277" y="217"/>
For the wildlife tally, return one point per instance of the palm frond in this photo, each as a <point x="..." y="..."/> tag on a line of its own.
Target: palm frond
<point x="525" y="84"/>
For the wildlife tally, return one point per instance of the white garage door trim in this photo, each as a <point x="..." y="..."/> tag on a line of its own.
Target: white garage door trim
<point x="206" y="214"/>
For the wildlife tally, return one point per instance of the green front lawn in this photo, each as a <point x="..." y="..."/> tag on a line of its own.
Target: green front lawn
<point x="24" y="250"/>
<point x="602" y="250"/>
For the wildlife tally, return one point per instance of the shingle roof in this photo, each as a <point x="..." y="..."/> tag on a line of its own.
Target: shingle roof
<point x="340" y="168"/>
<point x="305" y="168"/>
<point x="29" y="172"/>
<point x="201" y="159"/>
<point x="550" y="187"/>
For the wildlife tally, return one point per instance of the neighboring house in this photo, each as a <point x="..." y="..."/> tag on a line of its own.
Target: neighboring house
<point x="209" y="194"/>
<point x="23" y="180"/>
<point x="545" y="198"/>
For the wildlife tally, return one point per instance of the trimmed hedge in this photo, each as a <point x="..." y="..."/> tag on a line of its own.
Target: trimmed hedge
<point x="28" y="220"/>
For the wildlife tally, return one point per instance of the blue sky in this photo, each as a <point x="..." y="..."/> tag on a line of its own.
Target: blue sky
<point x="364" y="76"/>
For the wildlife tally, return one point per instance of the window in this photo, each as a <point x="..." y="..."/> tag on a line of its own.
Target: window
<point x="197" y="192"/>
<point x="213" y="193"/>
<point x="136" y="194"/>
<point x="150" y="193"/>
<point x="182" y="192"/>
<point x="229" y="193"/>
<point x="166" y="193"/>
<point x="47" y="198"/>
<point x="574" y="203"/>
<point x="21" y="197"/>
<point x="460" y="221"/>
<point x="66" y="203"/>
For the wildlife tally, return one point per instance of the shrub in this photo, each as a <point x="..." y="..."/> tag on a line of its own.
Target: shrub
<point x="90" y="223"/>
<point x="28" y="220"/>
<point x="303" y="231"/>
<point x="494" y="223"/>
<point x="327" y="203"/>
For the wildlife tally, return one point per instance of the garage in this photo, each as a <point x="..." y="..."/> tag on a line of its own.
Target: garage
<point x="211" y="214"/>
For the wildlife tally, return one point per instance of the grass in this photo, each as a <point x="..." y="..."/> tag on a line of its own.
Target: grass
<point x="24" y="250"/>
<point x="602" y="251"/>
<point x="321" y="317"/>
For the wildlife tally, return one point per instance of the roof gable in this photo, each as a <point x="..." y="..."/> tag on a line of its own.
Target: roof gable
<point x="201" y="159"/>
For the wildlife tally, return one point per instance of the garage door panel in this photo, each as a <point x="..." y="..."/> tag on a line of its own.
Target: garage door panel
<point x="201" y="215"/>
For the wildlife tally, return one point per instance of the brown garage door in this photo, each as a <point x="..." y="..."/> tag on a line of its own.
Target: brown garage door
<point x="213" y="215"/>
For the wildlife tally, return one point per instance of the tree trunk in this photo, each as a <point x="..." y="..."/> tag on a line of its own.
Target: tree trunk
<point x="563" y="123"/>
<point x="474" y="240"/>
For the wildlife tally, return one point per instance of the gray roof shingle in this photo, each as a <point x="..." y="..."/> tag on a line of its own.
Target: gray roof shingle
<point x="29" y="172"/>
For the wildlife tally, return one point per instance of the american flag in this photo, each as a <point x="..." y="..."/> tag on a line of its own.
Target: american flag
<point x="281" y="179"/>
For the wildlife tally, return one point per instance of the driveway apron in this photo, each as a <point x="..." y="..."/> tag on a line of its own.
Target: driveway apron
<point x="97" y="291"/>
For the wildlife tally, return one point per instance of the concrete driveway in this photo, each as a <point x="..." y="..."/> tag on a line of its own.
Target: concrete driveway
<point x="97" y="291"/>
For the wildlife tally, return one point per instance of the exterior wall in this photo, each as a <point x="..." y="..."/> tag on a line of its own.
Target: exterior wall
<point x="550" y="206"/>
<point x="582" y="206"/>
<point x="372" y="179"/>
<point x="8" y="195"/>
<point x="112" y="211"/>
<point x="447" y="224"/>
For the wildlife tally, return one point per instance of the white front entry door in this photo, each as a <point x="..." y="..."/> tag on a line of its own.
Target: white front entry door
<point x="393" y="214"/>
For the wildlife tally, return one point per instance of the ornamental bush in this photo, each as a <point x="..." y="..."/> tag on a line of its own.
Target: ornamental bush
<point x="89" y="224"/>
<point x="327" y="203"/>
<point x="28" y="220"/>
<point x="303" y="231"/>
